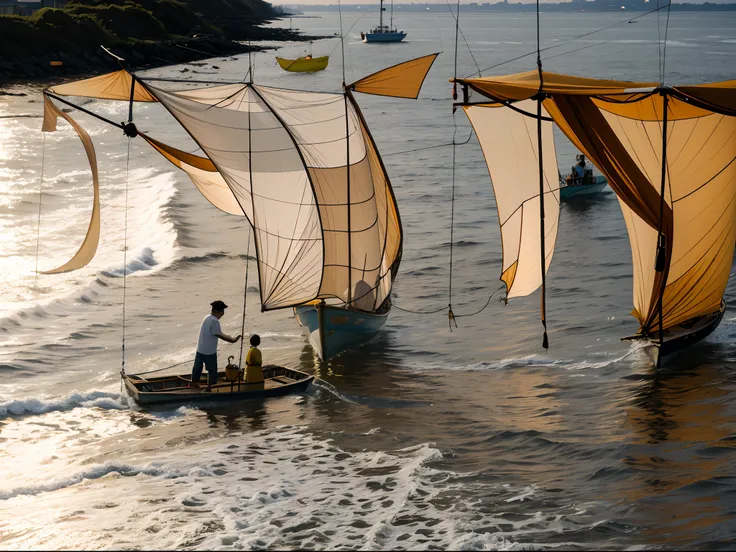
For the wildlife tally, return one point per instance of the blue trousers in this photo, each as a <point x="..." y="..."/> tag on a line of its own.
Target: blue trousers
<point x="210" y="362"/>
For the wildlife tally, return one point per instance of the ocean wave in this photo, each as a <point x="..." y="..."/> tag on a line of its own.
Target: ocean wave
<point x="92" y="473"/>
<point x="92" y="399"/>
<point x="144" y="260"/>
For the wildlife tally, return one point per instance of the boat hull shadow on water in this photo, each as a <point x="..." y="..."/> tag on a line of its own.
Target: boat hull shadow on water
<point x="278" y="381"/>
<point x="337" y="329"/>
<point x="681" y="336"/>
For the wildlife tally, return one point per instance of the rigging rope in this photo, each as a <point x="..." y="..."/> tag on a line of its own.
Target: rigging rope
<point x="450" y="314"/>
<point x="40" y="191"/>
<point x="659" y="47"/>
<point x="517" y="58"/>
<point x="435" y="311"/>
<point x="459" y="31"/>
<point x="342" y="46"/>
<point x="162" y="369"/>
<point x="431" y="147"/>
<point x="245" y="299"/>
<point x="664" y="50"/>
<point x="125" y="251"/>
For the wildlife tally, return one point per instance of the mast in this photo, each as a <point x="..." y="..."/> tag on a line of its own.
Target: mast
<point x="350" y="238"/>
<point x="545" y="341"/>
<point x="380" y="17"/>
<point x="392" y="15"/>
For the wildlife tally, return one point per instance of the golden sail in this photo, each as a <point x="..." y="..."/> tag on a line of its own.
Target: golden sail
<point x="668" y="153"/>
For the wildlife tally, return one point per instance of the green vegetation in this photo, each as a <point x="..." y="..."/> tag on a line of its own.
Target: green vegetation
<point x="144" y="32"/>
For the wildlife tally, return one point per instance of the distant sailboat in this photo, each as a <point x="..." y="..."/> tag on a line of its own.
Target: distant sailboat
<point x="669" y="154"/>
<point x="384" y="33"/>
<point x="303" y="168"/>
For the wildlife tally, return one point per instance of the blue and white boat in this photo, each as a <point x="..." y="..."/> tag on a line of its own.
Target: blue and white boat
<point x="584" y="188"/>
<point x="334" y="329"/>
<point x="384" y="33"/>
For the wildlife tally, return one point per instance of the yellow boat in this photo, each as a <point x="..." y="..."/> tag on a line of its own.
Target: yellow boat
<point x="306" y="64"/>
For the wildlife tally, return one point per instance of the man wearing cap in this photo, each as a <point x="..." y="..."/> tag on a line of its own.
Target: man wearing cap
<point x="206" y="355"/>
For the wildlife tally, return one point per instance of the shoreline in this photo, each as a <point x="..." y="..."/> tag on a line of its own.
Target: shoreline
<point x="141" y="56"/>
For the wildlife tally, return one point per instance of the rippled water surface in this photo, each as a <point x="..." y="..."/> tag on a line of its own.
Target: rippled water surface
<point x="422" y="439"/>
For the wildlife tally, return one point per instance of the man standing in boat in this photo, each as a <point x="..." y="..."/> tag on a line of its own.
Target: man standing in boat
<point x="209" y="333"/>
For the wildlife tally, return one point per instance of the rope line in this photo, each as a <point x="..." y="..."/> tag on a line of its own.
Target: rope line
<point x="40" y="191"/>
<point x="459" y="31"/>
<point x="430" y="147"/>
<point x="162" y="369"/>
<point x="664" y="49"/>
<point x="435" y="311"/>
<point x="572" y="39"/>
<point x="125" y="252"/>
<point x="245" y="299"/>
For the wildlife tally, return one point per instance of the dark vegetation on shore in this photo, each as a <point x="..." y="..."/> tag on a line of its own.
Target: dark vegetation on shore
<point x="145" y="32"/>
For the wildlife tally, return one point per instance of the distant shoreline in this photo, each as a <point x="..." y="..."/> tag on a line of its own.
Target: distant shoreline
<point x="53" y="44"/>
<point x="576" y="6"/>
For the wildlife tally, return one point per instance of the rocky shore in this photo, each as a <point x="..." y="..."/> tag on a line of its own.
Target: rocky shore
<point x="58" y="43"/>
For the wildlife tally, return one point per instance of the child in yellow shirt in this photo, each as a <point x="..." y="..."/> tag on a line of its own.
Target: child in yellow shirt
<point x="254" y="362"/>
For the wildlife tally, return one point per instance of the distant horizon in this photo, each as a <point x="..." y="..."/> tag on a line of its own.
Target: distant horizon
<point x="464" y="2"/>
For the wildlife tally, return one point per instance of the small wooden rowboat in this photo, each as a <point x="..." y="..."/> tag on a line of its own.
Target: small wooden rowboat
<point x="304" y="64"/>
<point x="278" y="381"/>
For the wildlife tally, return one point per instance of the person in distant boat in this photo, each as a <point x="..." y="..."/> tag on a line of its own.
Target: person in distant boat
<point x="254" y="361"/>
<point x="580" y="167"/>
<point x="209" y="333"/>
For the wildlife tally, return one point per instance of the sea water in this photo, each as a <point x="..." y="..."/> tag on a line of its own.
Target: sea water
<point x="425" y="438"/>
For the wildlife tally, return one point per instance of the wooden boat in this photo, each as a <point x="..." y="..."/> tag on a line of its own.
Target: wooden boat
<point x="681" y="336"/>
<point x="278" y="381"/>
<point x="582" y="190"/>
<point x="305" y="64"/>
<point x="333" y="330"/>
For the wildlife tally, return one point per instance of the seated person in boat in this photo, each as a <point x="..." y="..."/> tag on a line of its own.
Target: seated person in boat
<point x="209" y="334"/>
<point x="254" y="362"/>
<point x="577" y="172"/>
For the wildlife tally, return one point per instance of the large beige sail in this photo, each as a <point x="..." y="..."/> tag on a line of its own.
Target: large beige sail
<point x="320" y="233"/>
<point x="87" y="250"/>
<point x="619" y="125"/>
<point x="508" y="139"/>
<point x="302" y="167"/>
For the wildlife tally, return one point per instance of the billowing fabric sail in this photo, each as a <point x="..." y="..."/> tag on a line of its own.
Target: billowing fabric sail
<point x="203" y="174"/>
<point x="112" y="86"/>
<point x="304" y="170"/>
<point x="509" y="143"/>
<point x="87" y="250"/>
<point x="619" y="126"/>
<point x="399" y="81"/>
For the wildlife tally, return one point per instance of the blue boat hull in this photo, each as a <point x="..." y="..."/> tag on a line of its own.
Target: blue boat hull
<point x="584" y="190"/>
<point x="383" y="37"/>
<point x="343" y="328"/>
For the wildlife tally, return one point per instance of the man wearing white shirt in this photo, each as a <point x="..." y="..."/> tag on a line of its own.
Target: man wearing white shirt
<point x="209" y="333"/>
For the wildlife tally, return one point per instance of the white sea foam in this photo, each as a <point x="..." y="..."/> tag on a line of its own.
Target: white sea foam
<point x="91" y="473"/>
<point x="281" y="489"/>
<point x="76" y="399"/>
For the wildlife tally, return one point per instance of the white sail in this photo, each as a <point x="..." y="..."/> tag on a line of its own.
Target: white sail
<point x="510" y="146"/>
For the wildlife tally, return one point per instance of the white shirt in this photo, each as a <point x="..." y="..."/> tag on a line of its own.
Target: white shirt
<point x="207" y="344"/>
